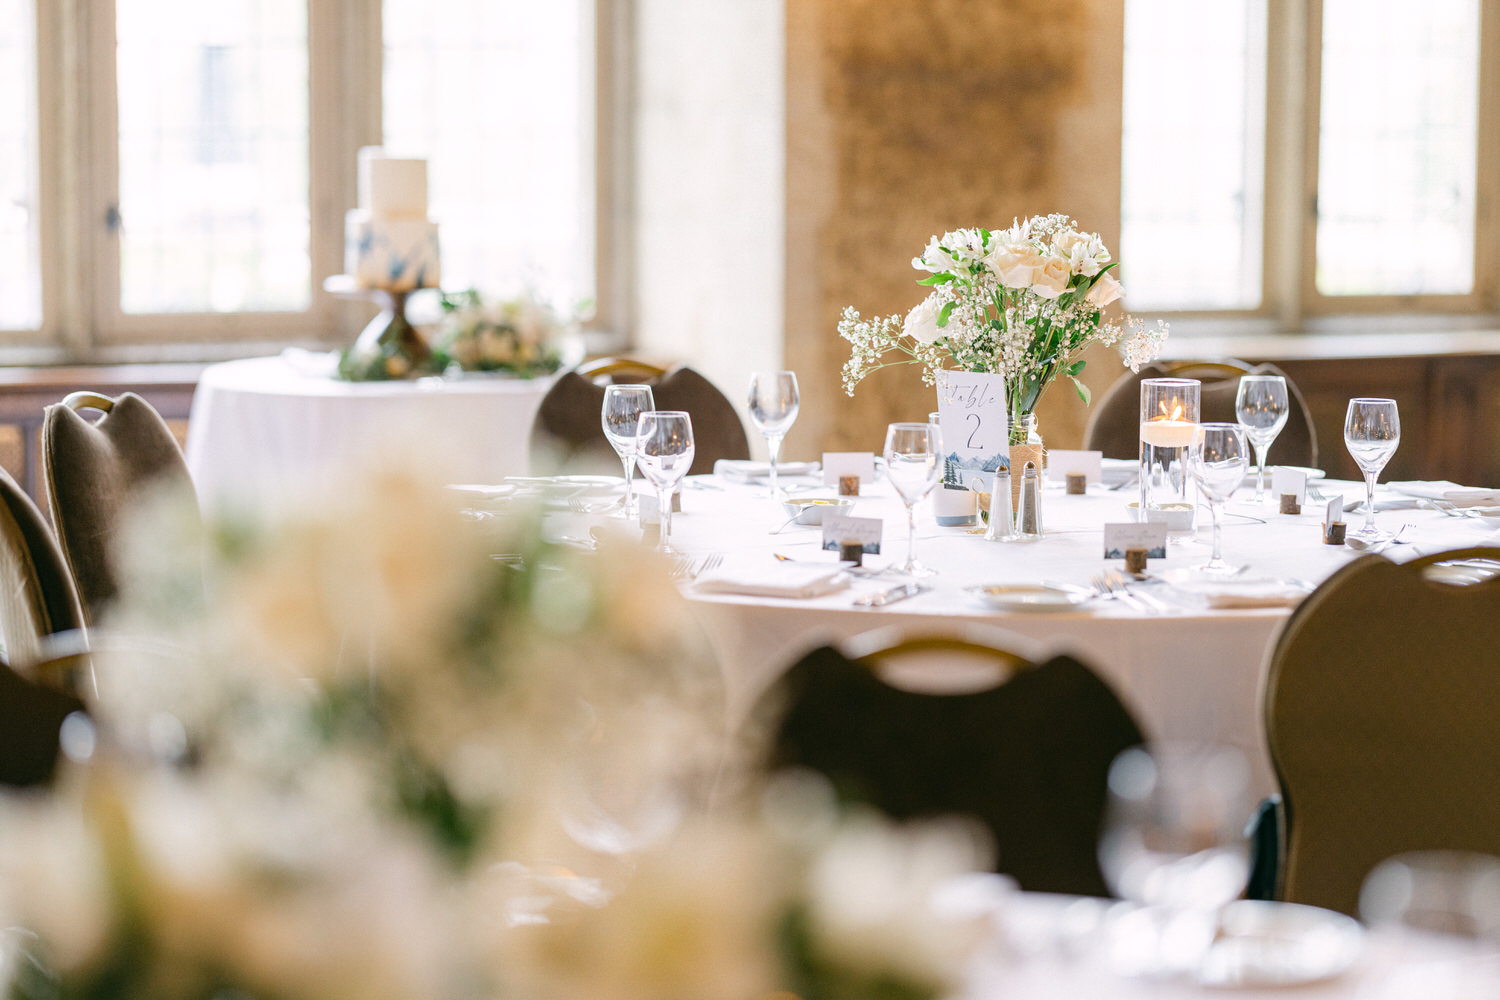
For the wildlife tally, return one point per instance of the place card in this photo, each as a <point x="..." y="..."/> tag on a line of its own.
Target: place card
<point x="1060" y="463"/>
<point x="841" y="528"/>
<point x="650" y="512"/>
<point x="837" y="464"/>
<point x="1148" y="535"/>
<point x="1285" y="480"/>
<point x="1334" y="512"/>
<point x="974" y="422"/>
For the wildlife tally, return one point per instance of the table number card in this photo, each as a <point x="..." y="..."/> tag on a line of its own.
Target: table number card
<point x="975" y="426"/>
<point x="1334" y="512"/>
<point x="1148" y="535"/>
<point x="1284" y="480"/>
<point x="841" y="528"/>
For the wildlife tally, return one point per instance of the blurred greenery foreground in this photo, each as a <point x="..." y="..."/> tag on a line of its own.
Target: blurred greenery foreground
<point x="381" y="751"/>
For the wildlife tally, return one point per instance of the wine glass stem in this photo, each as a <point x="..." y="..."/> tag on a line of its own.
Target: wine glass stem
<point x="773" y="448"/>
<point x="911" y="536"/>
<point x="628" y="461"/>
<point x="1260" y="472"/>
<point x="1213" y="513"/>
<point x="1370" y="501"/>
<point x="664" y="507"/>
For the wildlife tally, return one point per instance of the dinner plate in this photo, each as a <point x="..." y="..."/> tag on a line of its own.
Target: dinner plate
<point x="483" y="491"/>
<point x="1029" y="596"/>
<point x="563" y="487"/>
<point x="1265" y="944"/>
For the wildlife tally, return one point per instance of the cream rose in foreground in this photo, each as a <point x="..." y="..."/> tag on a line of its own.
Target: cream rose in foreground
<point x="1052" y="277"/>
<point x="921" y="322"/>
<point x="1016" y="264"/>
<point x="1105" y="291"/>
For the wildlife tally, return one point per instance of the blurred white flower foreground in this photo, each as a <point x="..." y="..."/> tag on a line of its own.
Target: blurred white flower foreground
<point x="353" y="754"/>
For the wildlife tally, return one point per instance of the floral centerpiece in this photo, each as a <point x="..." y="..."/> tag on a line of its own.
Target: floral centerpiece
<point x="522" y="335"/>
<point x="378" y="750"/>
<point x="1022" y="303"/>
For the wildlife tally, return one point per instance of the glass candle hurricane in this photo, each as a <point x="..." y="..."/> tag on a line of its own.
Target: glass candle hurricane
<point x="1169" y="420"/>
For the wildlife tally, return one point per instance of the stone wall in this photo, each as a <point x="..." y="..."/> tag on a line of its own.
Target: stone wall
<point x="908" y="118"/>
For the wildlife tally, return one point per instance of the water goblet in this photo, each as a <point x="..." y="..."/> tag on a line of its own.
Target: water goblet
<point x="913" y="464"/>
<point x="1372" y="432"/>
<point x="1261" y="407"/>
<point x="664" y="449"/>
<point x="1218" y="459"/>
<point x="773" y="408"/>
<point x="1173" y="841"/>
<point x="621" y="416"/>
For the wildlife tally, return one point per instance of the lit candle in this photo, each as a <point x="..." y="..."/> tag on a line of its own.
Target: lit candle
<point x="1162" y="433"/>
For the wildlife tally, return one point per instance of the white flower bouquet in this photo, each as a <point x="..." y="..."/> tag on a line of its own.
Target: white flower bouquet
<point x="1022" y="303"/>
<point x="522" y="335"/>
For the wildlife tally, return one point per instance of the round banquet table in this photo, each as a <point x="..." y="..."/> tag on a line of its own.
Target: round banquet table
<point x="264" y="431"/>
<point x="1190" y="671"/>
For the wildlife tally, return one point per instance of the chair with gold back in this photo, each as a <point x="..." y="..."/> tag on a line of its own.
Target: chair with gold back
<point x="1114" y="421"/>
<point x="568" y="435"/>
<point x="961" y="723"/>
<point x="97" y="472"/>
<point x="45" y="664"/>
<point x="1381" y="712"/>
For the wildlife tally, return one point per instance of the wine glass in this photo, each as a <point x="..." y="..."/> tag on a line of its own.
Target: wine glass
<point x="913" y="464"/>
<point x="1372" y="432"/>
<point x="773" y="408"/>
<point x="1173" y="840"/>
<point x="621" y="415"/>
<point x="664" y="449"/>
<point x="1219" y="457"/>
<point x="1261" y="407"/>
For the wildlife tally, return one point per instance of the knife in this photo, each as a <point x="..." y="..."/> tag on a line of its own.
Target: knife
<point x="891" y="596"/>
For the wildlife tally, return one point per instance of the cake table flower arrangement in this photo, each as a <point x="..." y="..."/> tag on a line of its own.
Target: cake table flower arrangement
<point x="521" y="335"/>
<point x="1022" y="303"/>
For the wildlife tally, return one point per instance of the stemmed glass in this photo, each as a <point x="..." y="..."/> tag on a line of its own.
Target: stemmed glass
<point x="1372" y="432"/>
<point x="621" y="415"/>
<point x="1261" y="407"/>
<point x="773" y="407"/>
<point x="1219" y="457"/>
<point x="1173" y="839"/>
<point x="664" y="449"/>
<point x="913" y="464"/>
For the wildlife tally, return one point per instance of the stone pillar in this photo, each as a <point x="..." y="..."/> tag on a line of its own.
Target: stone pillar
<point x="909" y="118"/>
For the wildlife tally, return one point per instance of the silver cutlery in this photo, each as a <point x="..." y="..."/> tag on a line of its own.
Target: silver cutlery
<point x="1360" y="545"/>
<point x="881" y="598"/>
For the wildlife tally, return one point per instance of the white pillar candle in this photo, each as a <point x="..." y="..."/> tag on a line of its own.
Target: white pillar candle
<point x="1168" y="433"/>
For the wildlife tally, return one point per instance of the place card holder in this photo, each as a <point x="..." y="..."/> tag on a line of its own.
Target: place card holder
<point x="852" y="552"/>
<point x="1333" y="522"/>
<point x="848" y="486"/>
<point x="1289" y="504"/>
<point x="1135" y="560"/>
<point x="1078" y="483"/>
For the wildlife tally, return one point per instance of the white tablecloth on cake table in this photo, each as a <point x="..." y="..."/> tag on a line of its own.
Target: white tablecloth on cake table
<point x="1192" y="673"/>
<point x="264" y="431"/>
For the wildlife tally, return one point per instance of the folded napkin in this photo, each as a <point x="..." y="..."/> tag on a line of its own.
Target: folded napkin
<point x="1271" y="594"/>
<point x="739" y="471"/>
<point x="775" y="580"/>
<point x="1441" y="489"/>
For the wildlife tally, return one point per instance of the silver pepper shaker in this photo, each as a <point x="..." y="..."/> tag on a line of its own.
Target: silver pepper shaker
<point x="1029" y="517"/>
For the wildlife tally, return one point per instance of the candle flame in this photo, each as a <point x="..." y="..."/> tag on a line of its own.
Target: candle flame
<point x="1176" y="413"/>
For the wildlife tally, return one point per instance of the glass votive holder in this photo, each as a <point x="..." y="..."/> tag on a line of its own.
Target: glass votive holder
<point x="1169" y="419"/>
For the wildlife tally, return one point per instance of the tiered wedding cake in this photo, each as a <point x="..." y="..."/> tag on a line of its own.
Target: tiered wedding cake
<point x="389" y="242"/>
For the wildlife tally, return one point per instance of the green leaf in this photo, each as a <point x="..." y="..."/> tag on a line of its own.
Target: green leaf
<point x="1072" y="370"/>
<point x="942" y="278"/>
<point x="1083" y="391"/>
<point x="943" y="314"/>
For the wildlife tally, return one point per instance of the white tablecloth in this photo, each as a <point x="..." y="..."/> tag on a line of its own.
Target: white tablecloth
<point x="1192" y="673"/>
<point x="265" y="430"/>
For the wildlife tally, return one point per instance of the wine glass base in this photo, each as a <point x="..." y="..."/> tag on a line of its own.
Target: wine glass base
<point x="913" y="568"/>
<point x="1370" y="533"/>
<point x="1217" y="569"/>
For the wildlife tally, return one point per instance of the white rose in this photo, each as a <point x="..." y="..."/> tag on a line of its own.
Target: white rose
<point x="1015" y="264"/>
<point x="921" y="322"/>
<point x="1064" y="240"/>
<point x="1106" y="289"/>
<point x="1052" y="276"/>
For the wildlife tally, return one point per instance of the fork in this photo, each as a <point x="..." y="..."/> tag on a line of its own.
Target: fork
<point x="1112" y="585"/>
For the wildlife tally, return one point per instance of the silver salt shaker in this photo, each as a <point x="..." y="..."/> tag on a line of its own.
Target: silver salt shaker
<point x="1029" y="517"/>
